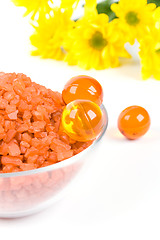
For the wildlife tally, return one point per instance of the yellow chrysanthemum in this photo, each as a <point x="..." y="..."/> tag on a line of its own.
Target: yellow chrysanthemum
<point x="156" y="16"/>
<point x="34" y="6"/>
<point x="150" y="55"/>
<point x="94" y="43"/>
<point x="50" y="33"/>
<point x="134" y="17"/>
<point x="69" y="3"/>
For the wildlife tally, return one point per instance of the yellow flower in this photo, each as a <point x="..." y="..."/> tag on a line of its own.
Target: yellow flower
<point x="69" y="3"/>
<point x="50" y="33"/>
<point x="34" y="7"/>
<point x="150" y="55"/>
<point x="94" y="43"/>
<point x="156" y="16"/>
<point x="89" y="4"/>
<point x="134" y="17"/>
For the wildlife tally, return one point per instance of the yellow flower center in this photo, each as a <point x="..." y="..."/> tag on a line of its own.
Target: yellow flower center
<point x="97" y="41"/>
<point x="132" y="18"/>
<point x="157" y="51"/>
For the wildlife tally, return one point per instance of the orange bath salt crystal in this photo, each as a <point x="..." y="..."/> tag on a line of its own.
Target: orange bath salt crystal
<point x="37" y="126"/>
<point x="3" y="103"/>
<point x="23" y="149"/>
<point x="26" y="137"/>
<point x="8" y="168"/>
<point x="27" y="115"/>
<point x="40" y="134"/>
<point x="15" y="101"/>
<point x="64" y="155"/>
<point x="10" y="135"/>
<point x="32" y="159"/>
<point x="1" y="129"/>
<point x="4" y="149"/>
<point x="23" y="106"/>
<point x="8" y="124"/>
<point x="2" y="136"/>
<point x="24" y="144"/>
<point x="28" y="166"/>
<point x="57" y="145"/>
<point x="22" y="128"/>
<point x="9" y="96"/>
<point x="83" y="87"/>
<point x="35" y="142"/>
<point x="13" y="115"/>
<point x="46" y="164"/>
<point x="18" y="136"/>
<point x="2" y="120"/>
<point x="16" y="161"/>
<point x="64" y="137"/>
<point x="10" y="109"/>
<point x="13" y="149"/>
<point x="52" y="157"/>
<point x="31" y="152"/>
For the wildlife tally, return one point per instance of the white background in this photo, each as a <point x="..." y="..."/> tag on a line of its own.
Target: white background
<point x="118" y="196"/>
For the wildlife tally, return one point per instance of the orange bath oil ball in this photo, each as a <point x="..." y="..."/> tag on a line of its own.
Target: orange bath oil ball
<point x="83" y="87"/>
<point x="82" y="120"/>
<point x="134" y="122"/>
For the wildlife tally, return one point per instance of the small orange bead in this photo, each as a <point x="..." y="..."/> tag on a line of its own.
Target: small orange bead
<point x="82" y="120"/>
<point x="134" y="122"/>
<point x="83" y="87"/>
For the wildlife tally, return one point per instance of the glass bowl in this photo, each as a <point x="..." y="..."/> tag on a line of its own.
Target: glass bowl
<point x="28" y="192"/>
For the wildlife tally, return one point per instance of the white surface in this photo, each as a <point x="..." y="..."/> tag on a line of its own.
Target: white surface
<point x="118" y="197"/>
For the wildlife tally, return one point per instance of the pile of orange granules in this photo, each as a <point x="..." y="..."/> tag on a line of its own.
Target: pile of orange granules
<point x="30" y="117"/>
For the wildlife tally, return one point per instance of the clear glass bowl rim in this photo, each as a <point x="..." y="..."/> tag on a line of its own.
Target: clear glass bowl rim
<point x="66" y="162"/>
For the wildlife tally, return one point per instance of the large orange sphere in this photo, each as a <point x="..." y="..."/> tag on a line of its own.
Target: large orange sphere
<point x="82" y="120"/>
<point x="83" y="87"/>
<point x="134" y="122"/>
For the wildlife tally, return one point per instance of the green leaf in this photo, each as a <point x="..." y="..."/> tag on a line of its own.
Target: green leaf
<point x="157" y="2"/>
<point x="105" y="7"/>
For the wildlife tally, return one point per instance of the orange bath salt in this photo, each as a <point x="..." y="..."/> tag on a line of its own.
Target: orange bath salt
<point x="3" y="103"/>
<point x="13" y="149"/>
<point x="8" y="168"/>
<point x="52" y="157"/>
<point x="64" y="155"/>
<point x="13" y="115"/>
<point x="1" y="129"/>
<point x="32" y="159"/>
<point x="10" y="109"/>
<point x="57" y="145"/>
<point x="30" y="117"/>
<point x="9" y="96"/>
<point x="16" y="161"/>
<point x="26" y="137"/>
<point x="4" y="149"/>
<point x="8" y="124"/>
<point x="22" y="128"/>
<point x="38" y="126"/>
<point x="10" y="135"/>
<point x="27" y="115"/>
<point x="28" y="166"/>
<point x="24" y="144"/>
